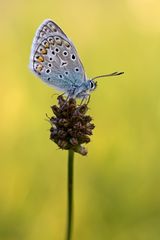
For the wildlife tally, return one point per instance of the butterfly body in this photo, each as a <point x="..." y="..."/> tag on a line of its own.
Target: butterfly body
<point x="55" y="61"/>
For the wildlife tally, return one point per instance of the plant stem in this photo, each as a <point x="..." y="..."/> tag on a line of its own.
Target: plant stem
<point x="70" y="194"/>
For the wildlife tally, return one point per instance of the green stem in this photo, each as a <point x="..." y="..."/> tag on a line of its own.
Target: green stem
<point x="70" y="194"/>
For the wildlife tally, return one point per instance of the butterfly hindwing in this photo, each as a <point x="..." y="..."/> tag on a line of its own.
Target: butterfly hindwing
<point x="54" y="58"/>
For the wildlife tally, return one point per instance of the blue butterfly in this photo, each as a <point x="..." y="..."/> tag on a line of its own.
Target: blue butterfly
<point x="55" y="60"/>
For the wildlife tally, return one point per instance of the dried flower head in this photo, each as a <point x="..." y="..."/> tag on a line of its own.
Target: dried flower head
<point x="71" y="127"/>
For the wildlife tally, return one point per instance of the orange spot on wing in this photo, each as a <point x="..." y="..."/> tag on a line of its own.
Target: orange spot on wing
<point x="40" y="59"/>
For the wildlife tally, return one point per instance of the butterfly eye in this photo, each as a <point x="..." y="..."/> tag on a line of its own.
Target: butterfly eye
<point x="73" y="57"/>
<point x="92" y="85"/>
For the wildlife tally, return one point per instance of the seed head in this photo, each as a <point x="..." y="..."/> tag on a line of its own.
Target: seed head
<point x="70" y="126"/>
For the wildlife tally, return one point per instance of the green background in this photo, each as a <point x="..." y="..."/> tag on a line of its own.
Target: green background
<point x="117" y="193"/>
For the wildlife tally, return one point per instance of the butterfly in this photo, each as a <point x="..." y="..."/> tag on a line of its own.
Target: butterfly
<point x="55" y="61"/>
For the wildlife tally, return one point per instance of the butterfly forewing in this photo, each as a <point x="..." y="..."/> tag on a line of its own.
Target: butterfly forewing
<point x="54" y="58"/>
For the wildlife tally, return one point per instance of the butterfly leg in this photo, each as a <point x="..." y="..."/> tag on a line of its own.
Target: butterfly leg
<point x="82" y="101"/>
<point x="86" y="98"/>
<point x="66" y="100"/>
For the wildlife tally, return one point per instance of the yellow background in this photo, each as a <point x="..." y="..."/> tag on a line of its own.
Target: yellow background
<point x="117" y="194"/>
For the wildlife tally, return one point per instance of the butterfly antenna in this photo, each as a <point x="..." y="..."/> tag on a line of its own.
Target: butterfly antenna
<point x="108" y="75"/>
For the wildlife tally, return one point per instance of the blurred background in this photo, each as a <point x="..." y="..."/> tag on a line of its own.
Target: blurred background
<point x="117" y="193"/>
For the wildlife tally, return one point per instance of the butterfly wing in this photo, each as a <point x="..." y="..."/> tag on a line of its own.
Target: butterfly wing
<point x="54" y="58"/>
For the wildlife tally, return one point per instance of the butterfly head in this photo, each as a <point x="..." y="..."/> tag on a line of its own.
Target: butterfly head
<point x="92" y="85"/>
<point x="84" y="89"/>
